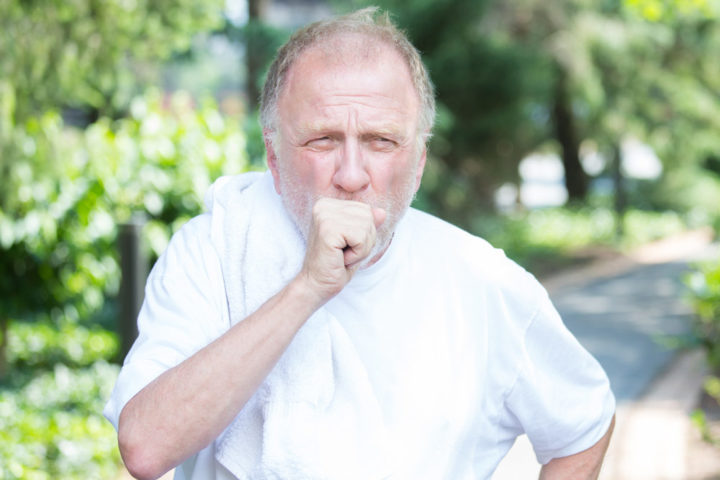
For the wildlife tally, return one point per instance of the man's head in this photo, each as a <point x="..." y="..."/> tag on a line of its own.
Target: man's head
<point x="367" y="22"/>
<point x="346" y="111"/>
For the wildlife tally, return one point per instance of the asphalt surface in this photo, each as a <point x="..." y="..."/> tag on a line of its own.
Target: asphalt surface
<point x="630" y="322"/>
<point x="632" y="314"/>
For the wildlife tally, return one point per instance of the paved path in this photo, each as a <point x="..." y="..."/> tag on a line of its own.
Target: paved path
<point x="629" y="321"/>
<point x="628" y="313"/>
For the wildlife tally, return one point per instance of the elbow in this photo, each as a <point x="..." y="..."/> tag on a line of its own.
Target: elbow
<point x="140" y="458"/>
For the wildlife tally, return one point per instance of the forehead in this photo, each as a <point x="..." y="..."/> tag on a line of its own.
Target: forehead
<point x="349" y="70"/>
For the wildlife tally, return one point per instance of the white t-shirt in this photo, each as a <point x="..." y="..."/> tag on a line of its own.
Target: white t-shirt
<point x="463" y="349"/>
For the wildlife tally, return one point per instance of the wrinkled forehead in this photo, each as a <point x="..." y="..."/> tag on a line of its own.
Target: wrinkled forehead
<point x="348" y="49"/>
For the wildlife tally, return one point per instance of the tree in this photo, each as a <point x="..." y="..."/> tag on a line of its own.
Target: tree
<point x="549" y="28"/>
<point x="619" y="73"/>
<point x="256" y="58"/>
<point x="515" y="76"/>
<point x="491" y="96"/>
<point x="82" y="54"/>
<point x="86" y="53"/>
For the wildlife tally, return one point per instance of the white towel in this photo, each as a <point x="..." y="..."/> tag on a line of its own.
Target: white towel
<point x="316" y="415"/>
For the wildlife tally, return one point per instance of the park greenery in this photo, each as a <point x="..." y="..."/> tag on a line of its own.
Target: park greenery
<point x="158" y="161"/>
<point x="89" y="140"/>
<point x="704" y="291"/>
<point x="533" y="75"/>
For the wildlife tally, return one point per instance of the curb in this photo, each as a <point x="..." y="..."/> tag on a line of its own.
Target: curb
<point x="653" y="433"/>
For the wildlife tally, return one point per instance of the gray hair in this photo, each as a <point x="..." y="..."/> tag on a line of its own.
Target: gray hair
<point x="368" y="22"/>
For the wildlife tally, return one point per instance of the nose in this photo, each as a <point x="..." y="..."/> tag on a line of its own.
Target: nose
<point x="351" y="173"/>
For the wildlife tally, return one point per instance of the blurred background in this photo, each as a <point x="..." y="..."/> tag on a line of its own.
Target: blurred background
<point x="568" y="131"/>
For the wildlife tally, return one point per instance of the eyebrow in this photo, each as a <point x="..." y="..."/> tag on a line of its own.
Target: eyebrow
<point x="384" y="129"/>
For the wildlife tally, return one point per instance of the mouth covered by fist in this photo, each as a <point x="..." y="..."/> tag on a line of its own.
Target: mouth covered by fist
<point x="342" y="237"/>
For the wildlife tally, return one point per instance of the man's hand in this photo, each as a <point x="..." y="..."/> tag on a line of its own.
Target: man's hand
<point x="342" y="235"/>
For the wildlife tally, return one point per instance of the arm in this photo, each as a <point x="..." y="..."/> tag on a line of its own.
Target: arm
<point x="584" y="465"/>
<point x="188" y="406"/>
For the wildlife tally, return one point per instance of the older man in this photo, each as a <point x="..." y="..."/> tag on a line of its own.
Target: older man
<point x="311" y="325"/>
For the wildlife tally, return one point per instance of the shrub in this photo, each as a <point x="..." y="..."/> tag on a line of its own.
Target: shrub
<point x="52" y="427"/>
<point x="61" y="201"/>
<point x="704" y="287"/>
<point x="68" y="189"/>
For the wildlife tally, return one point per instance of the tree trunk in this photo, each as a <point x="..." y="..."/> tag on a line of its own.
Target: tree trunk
<point x="619" y="193"/>
<point x="253" y="52"/>
<point x="4" y="322"/>
<point x="565" y="134"/>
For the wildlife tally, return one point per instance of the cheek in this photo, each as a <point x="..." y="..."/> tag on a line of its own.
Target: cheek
<point x="315" y="169"/>
<point x="298" y="163"/>
<point x="397" y="172"/>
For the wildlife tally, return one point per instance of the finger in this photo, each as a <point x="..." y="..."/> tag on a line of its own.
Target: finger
<point x="352" y="255"/>
<point x="357" y="249"/>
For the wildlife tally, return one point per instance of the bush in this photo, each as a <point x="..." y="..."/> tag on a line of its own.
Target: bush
<point x="52" y="427"/>
<point x="68" y="189"/>
<point x="704" y="287"/>
<point x="44" y="344"/>
<point x="533" y="237"/>
<point x="63" y="196"/>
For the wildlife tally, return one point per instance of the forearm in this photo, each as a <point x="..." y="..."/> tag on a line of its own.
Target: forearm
<point x="188" y="406"/>
<point x="584" y="465"/>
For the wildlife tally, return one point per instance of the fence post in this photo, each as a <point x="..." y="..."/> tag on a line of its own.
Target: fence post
<point x="133" y="266"/>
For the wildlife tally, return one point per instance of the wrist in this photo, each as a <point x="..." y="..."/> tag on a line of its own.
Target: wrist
<point x="304" y="292"/>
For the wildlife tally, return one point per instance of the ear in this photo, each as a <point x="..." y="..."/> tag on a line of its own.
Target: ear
<point x="420" y="167"/>
<point x="272" y="159"/>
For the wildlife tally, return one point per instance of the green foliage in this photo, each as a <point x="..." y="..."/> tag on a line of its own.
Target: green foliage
<point x="51" y="427"/>
<point x="65" y="190"/>
<point x="664" y="10"/>
<point x="704" y="288"/>
<point x="503" y="69"/>
<point x="44" y="344"/>
<point x="491" y="94"/>
<point x="547" y="238"/>
<point x="161" y="160"/>
<point x="72" y="188"/>
<point x="56" y="221"/>
<point x="81" y="52"/>
<point x="699" y="419"/>
<point x="688" y="190"/>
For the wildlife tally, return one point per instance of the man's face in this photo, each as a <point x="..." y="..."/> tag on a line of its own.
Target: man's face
<point x="348" y="129"/>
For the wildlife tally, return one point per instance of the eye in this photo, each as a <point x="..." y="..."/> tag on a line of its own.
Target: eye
<point x="382" y="144"/>
<point x="321" y="143"/>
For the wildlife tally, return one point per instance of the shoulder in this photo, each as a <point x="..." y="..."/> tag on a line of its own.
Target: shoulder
<point x="451" y="248"/>
<point x="190" y="247"/>
<point x="224" y="190"/>
<point x="201" y="239"/>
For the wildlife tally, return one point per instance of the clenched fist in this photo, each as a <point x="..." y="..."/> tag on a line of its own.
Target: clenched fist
<point x="342" y="235"/>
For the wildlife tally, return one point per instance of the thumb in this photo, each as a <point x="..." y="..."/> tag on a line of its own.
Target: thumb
<point x="379" y="216"/>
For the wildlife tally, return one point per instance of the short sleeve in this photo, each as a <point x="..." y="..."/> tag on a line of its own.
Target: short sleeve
<point x="184" y="310"/>
<point x="562" y="398"/>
